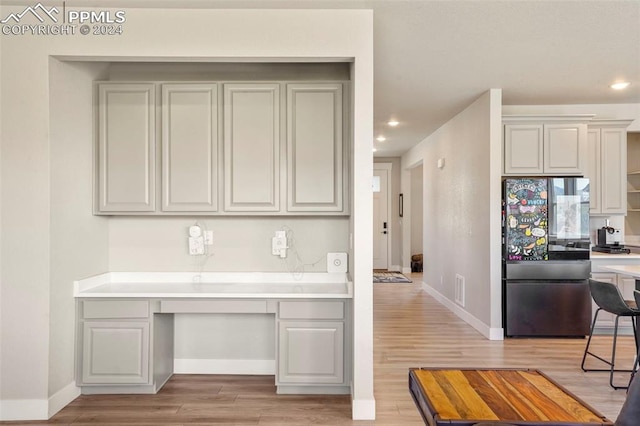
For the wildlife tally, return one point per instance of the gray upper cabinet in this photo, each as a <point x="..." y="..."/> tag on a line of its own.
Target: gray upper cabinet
<point x="252" y="147"/>
<point x="126" y="147"/>
<point x="190" y="147"/>
<point x="223" y="148"/>
<point x="315" y="158"/>
<point x="545" y="145"/>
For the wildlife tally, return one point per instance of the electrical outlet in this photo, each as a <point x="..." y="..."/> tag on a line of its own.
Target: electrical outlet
<point x="337" y="262"/>
<point x="208" y="238"/>
<point x="196" y="246"/>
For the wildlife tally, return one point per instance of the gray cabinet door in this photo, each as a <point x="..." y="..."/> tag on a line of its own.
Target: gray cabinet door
<point x="190" y="147"/>
<point x="115" y="352"/>
<point x="565" y="148"/>
<point x="126" y="147"/>
<point x="315" y="163"/>
<point x="252" y="147"/>
<point x="523" y="148"/>
<point x="311" y="352"/>
<point x="613" y="160"/>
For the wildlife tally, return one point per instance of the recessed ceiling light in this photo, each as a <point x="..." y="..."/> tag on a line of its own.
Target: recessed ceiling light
<point x="374" y="149"/>
<point x="381" y="139"/>
<point x="393" y="123"/>
<point x="620" y="85"/>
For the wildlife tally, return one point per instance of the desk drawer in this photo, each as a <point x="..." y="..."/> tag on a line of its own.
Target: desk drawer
<point x="213" y="306"/>
<point x="311" y="310"/>
<point x="115" y="309"/>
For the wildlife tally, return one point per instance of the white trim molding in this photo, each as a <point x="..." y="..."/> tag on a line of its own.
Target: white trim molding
<point x="488" y="332"/>
<point x="62" y="398"/>
<point x="225" y="366"/>
<point x="24" y="409"/>
<point x="363" y="409"/>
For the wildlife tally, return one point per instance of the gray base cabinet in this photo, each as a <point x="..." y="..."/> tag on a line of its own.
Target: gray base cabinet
<point x="123" y="348"/>
<point x="312" y="346"/>
<point x="126" y="345"/>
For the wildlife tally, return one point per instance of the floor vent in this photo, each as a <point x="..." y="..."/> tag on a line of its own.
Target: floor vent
<point x="459" y="296"/>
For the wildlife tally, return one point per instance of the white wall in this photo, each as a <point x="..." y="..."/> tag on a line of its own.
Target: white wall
<point x="78" y="239"/>
<point x="239" y="244"/>
<point x="462" y="211"/>
<point x="30" y="375"/>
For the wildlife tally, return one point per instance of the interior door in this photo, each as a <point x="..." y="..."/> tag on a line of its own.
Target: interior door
<point x="380" y="218"/>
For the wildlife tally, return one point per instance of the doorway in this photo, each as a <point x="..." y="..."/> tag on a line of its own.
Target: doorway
<point x="417" y="237"/>
<point x="381" y="215"/>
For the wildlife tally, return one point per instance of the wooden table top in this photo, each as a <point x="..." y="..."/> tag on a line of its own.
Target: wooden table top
<point x="464" y="397"/>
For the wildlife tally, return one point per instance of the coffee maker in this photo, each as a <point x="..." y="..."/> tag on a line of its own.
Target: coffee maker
<point x="608" y="240"/>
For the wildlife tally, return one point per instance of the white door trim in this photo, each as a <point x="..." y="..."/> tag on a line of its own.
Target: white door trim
<point x="388" y="167"/>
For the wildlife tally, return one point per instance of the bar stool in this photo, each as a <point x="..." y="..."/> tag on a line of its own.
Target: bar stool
<point x="609" y="299"/>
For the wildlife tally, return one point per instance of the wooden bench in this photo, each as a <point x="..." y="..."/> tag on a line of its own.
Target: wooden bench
<point x="518" y="397"/>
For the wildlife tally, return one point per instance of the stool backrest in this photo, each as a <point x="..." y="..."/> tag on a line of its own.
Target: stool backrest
<point x="608" y="297"/>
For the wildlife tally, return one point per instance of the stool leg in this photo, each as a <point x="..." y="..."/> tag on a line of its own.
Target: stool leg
<point x="613" y="352"/>
<point x="586" y="349"/>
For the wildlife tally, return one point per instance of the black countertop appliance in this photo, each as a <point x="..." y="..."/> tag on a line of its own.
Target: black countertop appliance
<point x="546" y="262"/>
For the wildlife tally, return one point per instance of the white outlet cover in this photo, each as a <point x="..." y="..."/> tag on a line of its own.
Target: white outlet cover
<point x="337" y="262"/>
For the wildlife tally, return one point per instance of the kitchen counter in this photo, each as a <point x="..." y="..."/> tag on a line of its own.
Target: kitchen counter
<point x="595" y="255"/>
<point x="263" y="285"/>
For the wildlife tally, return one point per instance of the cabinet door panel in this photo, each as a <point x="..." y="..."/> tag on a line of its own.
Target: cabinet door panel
<point x="115" y="352"/>
<point x="523" y="149"/>
<point x="252" y="147"/>
<point x="311" y="352"/>
<point x="315" y="147"/>
<point x="189" y="147"/>
<point x="126" y="147"/>
<point x="613" y="158"/>
<point x="563" y="151"/>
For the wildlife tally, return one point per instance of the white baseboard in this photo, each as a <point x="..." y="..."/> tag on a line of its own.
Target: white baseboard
<point x="62" y="398"/>
<point x="395" y="268"/>
<point x="224" y="366"/>
<point x="24" y="409"/>
<point x="363" y="409"/>
<point x="406" y="270"/>
<point x="488" y="332"/>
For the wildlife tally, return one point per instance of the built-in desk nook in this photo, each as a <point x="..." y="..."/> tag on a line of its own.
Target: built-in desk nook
<point x="125" y="326"/>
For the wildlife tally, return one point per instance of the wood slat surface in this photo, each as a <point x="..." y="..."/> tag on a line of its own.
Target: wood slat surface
<point x="499" y="395"/>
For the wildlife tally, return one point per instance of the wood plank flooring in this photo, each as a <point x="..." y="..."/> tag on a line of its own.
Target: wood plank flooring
<point x="411" y="329"/>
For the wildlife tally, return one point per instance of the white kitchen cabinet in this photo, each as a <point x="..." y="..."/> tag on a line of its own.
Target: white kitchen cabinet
<point x="545" y="145"/>
<point x="315" y="157"/>
<point x="190" y="147"/>
<point x="252" y="147"/>
<point x="312" y="346"/>
<point x="126" y="146"/>
<point x="607" y="171"/>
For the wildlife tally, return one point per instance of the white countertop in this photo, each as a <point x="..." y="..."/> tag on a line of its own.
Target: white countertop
<point x="596" y="255"/>
<point x="308" y="285"/>
<point x="632" y="270"/>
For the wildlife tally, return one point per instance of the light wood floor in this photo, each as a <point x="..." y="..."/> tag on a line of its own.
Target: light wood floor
<point x="411" y="329"/>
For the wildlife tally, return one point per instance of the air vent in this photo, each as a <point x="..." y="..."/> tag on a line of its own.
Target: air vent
<point x="459" y="294"/>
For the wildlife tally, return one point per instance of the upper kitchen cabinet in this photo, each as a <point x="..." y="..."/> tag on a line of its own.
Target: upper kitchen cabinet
<point x="315" y="157"/>
<point x="190" y="147"/>
<point x="126" y="116"/>
<point x="545" y="145"/>
<point x="224" y="148"/>
<point x="252" y="147"/>
<point x="607" y="171"/>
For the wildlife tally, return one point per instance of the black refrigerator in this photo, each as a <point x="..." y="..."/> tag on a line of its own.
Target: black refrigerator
<point x="545" y="263"/>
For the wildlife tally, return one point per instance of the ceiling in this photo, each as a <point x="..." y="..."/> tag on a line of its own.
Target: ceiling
<point x="434" y="57"/>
